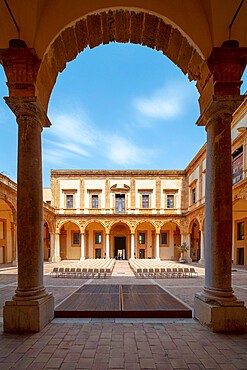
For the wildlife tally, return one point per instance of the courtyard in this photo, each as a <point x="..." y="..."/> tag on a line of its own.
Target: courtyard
<point x="119" y="343"/>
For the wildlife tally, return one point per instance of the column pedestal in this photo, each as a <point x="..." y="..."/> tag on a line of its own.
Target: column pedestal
<point x="218" y="316"/>
<point x="30" y="316"/>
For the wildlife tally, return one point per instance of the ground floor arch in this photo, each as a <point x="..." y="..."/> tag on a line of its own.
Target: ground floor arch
<point x="145" y="240"/>
<point x="195" y="240"/>
<point x="120" y="241"/>
<point x="8" y="233"/>
<point x="69" y="241"/>
<point x="170" y="238"/>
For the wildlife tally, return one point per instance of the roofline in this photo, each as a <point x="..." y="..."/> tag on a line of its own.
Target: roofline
<point x="118" y="172"/>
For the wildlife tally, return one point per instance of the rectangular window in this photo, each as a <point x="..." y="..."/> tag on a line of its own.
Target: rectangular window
<point x="97" y="238"/>
<point x="120" y="203"/>
<point x="95" y="201"/>
<point x="193" y="196"/>
<point x="170" y="201"/>
<point x="76" y="238"/>
<point x="141" y="238"/>
<point x="69" y="201"/>
<point x="240" y="230"/>
<point x="163" y="238"/>
<point x="145" y="201"/>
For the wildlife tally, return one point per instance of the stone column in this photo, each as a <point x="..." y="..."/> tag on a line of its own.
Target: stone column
<point x="157" y="247"/>
<point x="52" y="241"/>
<point x="216" y="307"/>
<point x="56" y="257"/>
<point x="202" y="252"/>
<point x="15" y="262"/>
<point x="32" y="306"/>
<point x="189" y="259"/>
<point x="107" y="245"/>
<point x="132" y="246"/>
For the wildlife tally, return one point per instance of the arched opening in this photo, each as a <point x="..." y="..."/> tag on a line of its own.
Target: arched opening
<point x="138" y="27"/>
<point x="195" y="241"/>
<point x="170" y="237"/>
<point x="70" y="241"/>
<point x="239" y="235"/>
<point x="145" y="240"/>
<point x="8" y="242"/>
<point x="120" y="241"/>
<point x="95" y="240"/>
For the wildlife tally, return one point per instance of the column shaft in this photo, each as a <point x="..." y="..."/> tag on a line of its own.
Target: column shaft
<point x="57" y="257"/>
<point x="29" y="209"/>
<point x="82" y="247"/>
<point x="218" y="207"/>
<point x="52" y="241"/>
<point x="107" y="246"/>
<point x="132" y="245"/>
<point x="157" y="248"/>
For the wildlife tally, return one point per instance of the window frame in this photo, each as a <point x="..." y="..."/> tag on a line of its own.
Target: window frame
<point x="69" y="195"/>
<point x="240" y="235"/>
<point x="101" y="238"/>
<point x="72" y="238"/>
<point x="148" y="201"/>
<point x="139" y="241"/>
<point x="95" y="196"/>
<point x="166" y="238"/>
<point x="167" y="201"/>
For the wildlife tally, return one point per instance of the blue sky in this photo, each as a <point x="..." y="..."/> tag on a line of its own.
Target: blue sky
<point x="118" y="106"/>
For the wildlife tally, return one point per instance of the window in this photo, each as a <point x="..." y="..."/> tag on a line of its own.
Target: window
<point x="120" y="203"/>
<point x="170" y="201"/>
<point x="163" y="238"/>
<point x="97" y="238"/>
<point x="141" y="238"/>
<point x="76" y="237"/>
<point x="237" y="165"/>
<point x="69" y="201"/>
<point x="48" y="202"/>
<point x="193" y="196"/>
<point x="145" y="201"/>
<point x="95" y="201"/>
<point x="240" y="230"/>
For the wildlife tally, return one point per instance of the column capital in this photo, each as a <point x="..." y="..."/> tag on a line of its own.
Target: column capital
<point x="227" y="65"/>
<point x="219" y="105"/>
<point x="21" y="66"/>
<point x="28" y="106"/>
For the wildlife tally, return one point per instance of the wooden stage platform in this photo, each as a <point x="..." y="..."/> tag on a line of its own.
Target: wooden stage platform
<point x="122" y="301"/>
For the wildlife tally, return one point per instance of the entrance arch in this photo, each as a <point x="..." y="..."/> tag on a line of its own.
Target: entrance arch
<point x="120" y="241"/>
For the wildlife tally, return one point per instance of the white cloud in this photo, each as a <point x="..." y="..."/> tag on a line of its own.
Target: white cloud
<point x="165" y="103"/>
<point x="72" y="136"/>
<point x="124" y="153"/>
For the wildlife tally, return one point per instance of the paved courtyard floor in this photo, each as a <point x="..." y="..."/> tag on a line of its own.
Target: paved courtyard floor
<point x="122" y="343"/>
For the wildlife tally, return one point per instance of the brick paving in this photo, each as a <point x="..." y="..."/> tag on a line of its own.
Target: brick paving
<point x="123" y="344"/>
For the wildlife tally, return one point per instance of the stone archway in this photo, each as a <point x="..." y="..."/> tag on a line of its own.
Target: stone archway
<point x="195" y="241"/>
<point x="120" y="243"/>
<point x="138" y="27"/>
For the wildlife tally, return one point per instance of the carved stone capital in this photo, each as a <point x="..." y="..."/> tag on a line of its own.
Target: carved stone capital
<point x="21" y="67"/>
<point x="220" y="105"/>
<point x="28" y="106"/>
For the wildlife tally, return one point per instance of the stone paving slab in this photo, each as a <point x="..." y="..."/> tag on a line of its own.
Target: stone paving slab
<point x="106" y="345"/>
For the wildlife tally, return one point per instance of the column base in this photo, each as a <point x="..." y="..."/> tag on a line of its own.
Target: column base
<point x="202" y="261"/>
<point x="82" y="259"/>
<point x="220" y="318"/>
<point x="56" y="259"/>
<point x="28" y="316"/>
<point x="157" y="258"/>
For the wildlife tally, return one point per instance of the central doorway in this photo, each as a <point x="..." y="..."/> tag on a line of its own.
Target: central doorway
<point x="120" y="247"/>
